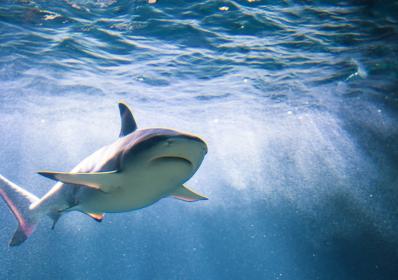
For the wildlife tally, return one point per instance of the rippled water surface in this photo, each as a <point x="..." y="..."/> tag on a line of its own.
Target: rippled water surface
<point x="296" y="99"/>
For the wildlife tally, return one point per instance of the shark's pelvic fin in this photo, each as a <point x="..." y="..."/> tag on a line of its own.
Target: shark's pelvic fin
<point x="96" y="216"/>
<point x="55" y="215"/>
<point x="183" y="193"/>
<point x="128" y="124"/>
<point x="103" y="181"/>
<point x="19" y="202"/>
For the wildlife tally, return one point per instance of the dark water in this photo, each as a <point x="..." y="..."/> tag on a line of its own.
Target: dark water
<point x="296" y="99"/>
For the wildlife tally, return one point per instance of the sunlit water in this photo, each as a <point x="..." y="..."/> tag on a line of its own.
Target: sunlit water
<point x="296" y="99"/>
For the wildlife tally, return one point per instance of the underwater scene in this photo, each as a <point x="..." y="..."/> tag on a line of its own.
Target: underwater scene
<point x="262" y="136"/>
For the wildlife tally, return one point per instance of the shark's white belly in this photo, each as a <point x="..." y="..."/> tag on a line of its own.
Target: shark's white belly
<point x="124" y="199"/>
<point x="138" y="187"/>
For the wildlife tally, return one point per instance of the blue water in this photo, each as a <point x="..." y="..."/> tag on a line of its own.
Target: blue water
<point x="297" y="100"/>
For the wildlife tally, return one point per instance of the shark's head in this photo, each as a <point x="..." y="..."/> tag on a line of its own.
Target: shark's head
<point x="168" y="154"/>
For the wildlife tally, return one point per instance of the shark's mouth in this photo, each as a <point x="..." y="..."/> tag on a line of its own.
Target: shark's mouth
<point x="171" y="159"/>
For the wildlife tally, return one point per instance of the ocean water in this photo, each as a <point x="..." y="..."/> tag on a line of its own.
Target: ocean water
<point x="297" y="100"/>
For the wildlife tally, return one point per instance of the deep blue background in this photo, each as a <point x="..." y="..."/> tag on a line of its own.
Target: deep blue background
<point x="296" y="99"/>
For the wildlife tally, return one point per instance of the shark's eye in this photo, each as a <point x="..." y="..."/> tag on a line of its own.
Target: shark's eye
<point x="169" y="142"/>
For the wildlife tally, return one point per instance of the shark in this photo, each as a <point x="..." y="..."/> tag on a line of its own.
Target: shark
<point x="138" y="169"/>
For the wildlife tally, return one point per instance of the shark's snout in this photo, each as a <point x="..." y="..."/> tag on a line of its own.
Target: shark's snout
<point x="196" y="141"/>
<point x="187" y="147"/>
<point x="201" y="143"/>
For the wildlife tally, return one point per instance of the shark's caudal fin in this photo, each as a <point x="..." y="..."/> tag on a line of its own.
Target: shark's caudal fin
<point x="19" y="200"/>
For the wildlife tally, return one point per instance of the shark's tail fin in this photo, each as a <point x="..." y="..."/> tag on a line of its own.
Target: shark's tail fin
<point x="19" y="200"/>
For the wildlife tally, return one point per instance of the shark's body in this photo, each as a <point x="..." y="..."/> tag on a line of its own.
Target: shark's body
<point x="135" y="171"/>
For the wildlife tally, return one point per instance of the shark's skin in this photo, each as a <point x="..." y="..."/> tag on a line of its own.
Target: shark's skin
<point x="151" y="164"/>
<point x="135" y="171"/>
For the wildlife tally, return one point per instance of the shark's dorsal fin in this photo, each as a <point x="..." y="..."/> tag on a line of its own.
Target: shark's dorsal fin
<point x="183" y="193"/>
<point x="128" y="124"/>
<point x="104" y="181"/>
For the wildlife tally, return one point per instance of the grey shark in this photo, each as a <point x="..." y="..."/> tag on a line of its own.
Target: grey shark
<point x="138" y="169"/>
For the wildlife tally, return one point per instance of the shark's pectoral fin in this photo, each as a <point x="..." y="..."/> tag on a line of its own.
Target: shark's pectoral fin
<point x="103" y="181"/>
<point x="96" y="216"/>
<point x="183" y="193"/>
